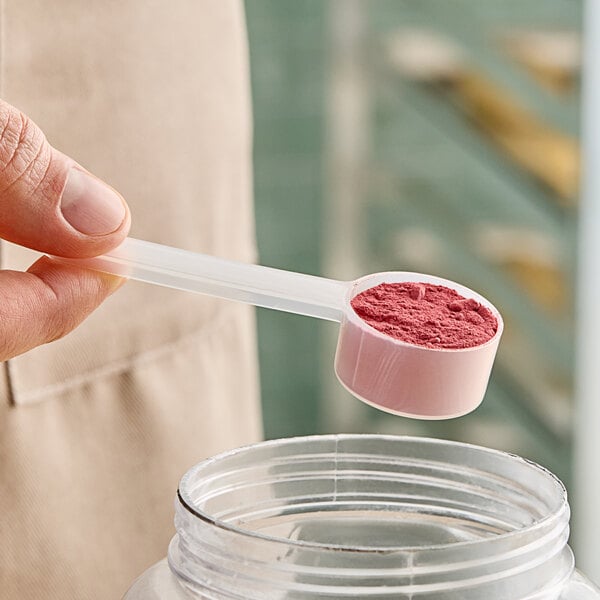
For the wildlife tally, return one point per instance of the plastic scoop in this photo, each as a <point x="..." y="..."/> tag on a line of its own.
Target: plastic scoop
<point x="392" y="375"/>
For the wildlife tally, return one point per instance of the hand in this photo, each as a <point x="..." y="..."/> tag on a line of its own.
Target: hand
<point x="50" y="204"/>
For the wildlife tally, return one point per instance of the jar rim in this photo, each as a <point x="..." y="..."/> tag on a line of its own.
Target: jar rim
<point x="560" y="512"/>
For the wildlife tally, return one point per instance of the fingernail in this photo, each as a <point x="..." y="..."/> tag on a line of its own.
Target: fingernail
<point x="113" y="282"/>
<point x="90" y="206"/>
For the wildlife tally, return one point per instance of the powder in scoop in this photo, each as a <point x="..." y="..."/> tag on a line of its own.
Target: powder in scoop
<point x="427" y="315"/>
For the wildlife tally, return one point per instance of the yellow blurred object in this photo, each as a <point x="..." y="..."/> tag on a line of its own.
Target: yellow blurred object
<point x="531" y="259"/>
<point x="552" y="58"/>
<point x="544" y="284"/>
<point x="552" y="78"/>
<point x="551" y="156"/>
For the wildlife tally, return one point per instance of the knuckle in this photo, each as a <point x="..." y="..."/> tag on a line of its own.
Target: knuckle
<point x="24" y="153"/>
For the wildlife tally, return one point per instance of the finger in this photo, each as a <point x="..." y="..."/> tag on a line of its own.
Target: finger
<point x="47" y="302"/>
<point x="47" y="201"/>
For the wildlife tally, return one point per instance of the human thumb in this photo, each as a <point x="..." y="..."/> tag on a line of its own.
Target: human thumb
<point x="47" y="201"/>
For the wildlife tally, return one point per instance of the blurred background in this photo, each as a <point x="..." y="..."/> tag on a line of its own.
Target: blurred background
<point x="425" y="135"/>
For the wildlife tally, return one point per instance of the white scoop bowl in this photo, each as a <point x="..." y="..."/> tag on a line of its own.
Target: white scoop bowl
<point x="394" y="376"/>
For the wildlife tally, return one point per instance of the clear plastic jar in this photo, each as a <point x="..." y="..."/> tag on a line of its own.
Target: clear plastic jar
<point x="366" y="516"/>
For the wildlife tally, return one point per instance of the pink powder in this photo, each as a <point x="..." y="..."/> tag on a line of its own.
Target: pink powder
<point x="426" y="315"/>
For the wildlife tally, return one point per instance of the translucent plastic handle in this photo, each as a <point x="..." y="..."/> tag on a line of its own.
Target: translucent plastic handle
<point x="204" y="274"/>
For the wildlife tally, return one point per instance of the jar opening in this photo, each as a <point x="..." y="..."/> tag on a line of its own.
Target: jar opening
<point x="411" y="514"/>
<point x="335" y="483"/>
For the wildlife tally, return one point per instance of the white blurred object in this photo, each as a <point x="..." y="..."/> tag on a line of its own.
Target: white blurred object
<point x="419" y="248"/>
<point x="347" y="151"/>
<point x="422" y="54"/>
<point x="499" y="243"/>
<point x="587" y="441"/>
<point x="555" y="49"/>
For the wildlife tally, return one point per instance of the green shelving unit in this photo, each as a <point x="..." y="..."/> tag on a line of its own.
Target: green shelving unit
<point x="432" y="181"/>
<point x="287" y="53"/>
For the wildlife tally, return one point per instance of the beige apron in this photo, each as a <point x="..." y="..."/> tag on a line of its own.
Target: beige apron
<point x="97" y="428"/>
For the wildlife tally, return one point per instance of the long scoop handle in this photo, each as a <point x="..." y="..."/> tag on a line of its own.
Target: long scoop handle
<point x="253" y="284"/>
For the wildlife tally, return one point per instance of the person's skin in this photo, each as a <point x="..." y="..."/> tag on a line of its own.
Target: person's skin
<point x="50" y="204"/>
